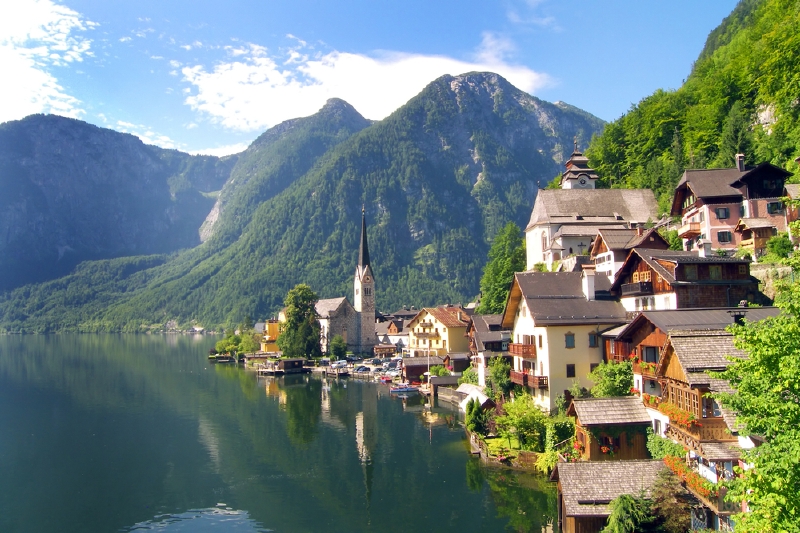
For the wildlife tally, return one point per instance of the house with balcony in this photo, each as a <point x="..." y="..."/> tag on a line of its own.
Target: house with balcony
<point x="438" y="331"/>
<point x="487" y="340"/>
<point x="670" y="279"/>
<point x="612" y="246"/>
<point x="565" y="221"/>
<point x="556" y="319"/>
<point x="709" y="432"/>
<point x="610" y="429"/>
<point x="642" y="342"/>
<point x="269" y="340"/>
<point x="713" y="202"/>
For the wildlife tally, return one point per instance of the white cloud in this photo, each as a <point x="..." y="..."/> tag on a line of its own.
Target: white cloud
<point x="254" y="89"/>
<point x="147" y="135"/>
<point x="35" y="37"/>
<point x="222" y="150"/>
<point x="124" y="39"/>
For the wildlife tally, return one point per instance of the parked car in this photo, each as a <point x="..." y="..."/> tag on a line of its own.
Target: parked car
<point x="352" y="359"/>
<point x="362" y="369"/>
<point x="377" y="361"/>
<point x="339" y="364"/>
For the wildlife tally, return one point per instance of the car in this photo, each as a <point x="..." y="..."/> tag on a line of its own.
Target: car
<point x="362" y="369"/>
<point x="339" y="364"/>
<point x="352" y="359"/>
<point x="377" y="361"/>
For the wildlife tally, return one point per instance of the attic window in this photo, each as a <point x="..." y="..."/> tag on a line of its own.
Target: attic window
<point x="617" y="216"/>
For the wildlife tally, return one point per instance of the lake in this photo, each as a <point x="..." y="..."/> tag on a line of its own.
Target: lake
<point x="140" y="432"/>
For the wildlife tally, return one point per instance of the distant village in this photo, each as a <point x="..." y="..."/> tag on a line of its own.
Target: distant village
<point x="602" y="285"/>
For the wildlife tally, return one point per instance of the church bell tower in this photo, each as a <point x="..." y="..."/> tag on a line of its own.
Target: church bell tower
<point x="364" y="294"/>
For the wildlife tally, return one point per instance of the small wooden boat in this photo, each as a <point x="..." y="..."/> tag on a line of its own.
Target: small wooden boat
<point x="386" y="379"/>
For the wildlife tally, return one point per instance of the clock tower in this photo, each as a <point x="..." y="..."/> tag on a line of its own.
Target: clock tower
<point x="364" y="294"/>
<point x="578" y="175"/>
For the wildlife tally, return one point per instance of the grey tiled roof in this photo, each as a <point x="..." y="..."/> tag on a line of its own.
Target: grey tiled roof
<point x="720" y="451"/>
<point x="557" y="298"/>
<point x="650" y="257"/>
<point x="608" y="411"/>
<point x="694" y="319"/>
<point x="599" y="206"/>
<point x="793" y="190"/>
<point x="754" y="223"/>
<point x="699" y="351"/>
<point x="589" y="486"/>
<point x="326" y="307"/>
<point x="712" y="182"/>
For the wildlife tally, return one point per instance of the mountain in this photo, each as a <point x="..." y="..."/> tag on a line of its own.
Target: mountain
<point x="70" y="191"/>
<point x="437" y="179"/>
<point x="740" y="97"/>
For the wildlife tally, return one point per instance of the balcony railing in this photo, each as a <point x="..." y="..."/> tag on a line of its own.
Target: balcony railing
<point x="523" y="350"/>
<point x="525" y="379"/>
<point x="633" y="289"/>
<point x="690" y="230"/>
<point x="426" y="324"/>
<point x="427" y="335"/>
<point x="713" y="429"/>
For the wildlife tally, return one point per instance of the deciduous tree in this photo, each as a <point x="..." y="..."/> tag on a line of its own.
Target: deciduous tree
<point x="299" y="335"/>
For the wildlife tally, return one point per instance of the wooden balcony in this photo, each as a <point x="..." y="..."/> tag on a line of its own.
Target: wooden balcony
<point x="710" y="429"/>
<point x="645" y="369"/>
<point x="427" y="334"/>
<point x="522" y="350"/>
<point x="689" y="231"/>
<point x="527" y="380"/>
<point x="426" y="324"/>
<point x="635" y="289"/>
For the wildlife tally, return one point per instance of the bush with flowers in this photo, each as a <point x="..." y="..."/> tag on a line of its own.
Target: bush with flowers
<point x="694" y="481"/>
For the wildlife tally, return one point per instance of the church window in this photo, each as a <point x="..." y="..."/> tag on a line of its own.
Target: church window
<point x="367" y="291"/>
<point x="544" y="241"/>
<point x="356" y="292"/>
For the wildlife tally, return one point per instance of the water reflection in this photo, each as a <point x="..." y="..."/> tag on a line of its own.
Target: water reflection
<point x="105" y="431"/>
<point x="201" y="520"/>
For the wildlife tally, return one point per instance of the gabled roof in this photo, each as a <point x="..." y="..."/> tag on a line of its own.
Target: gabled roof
<point x="449" y="317"/>
<point x="609" y="411"/>
<point x="720" y="451"/>
<point x="588" y="487"/>
<point x="753" y="223"/>
<point x="593" y="206"/>
<point x="702" y="350"/>
<point x="793" y="190"/>
<point x="488" y="328"/>
<point x="432" y="360"/>
<point x="628" y="238"/>
<point x="694" y="319"/>
<point x="555" y="298"/>
<point x="677" y="257"/>
<point x="326" y="307"/>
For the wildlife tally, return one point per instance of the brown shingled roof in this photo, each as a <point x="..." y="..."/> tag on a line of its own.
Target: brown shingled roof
<point x="448" y="316"/>
<point x="589" y="487"/>
<point x="609" y="411"/>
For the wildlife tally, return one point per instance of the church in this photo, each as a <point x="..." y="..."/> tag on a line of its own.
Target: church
<point x="356" y="322"/>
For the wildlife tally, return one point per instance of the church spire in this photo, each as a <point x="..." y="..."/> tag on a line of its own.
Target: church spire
<point x="363" y="250"/>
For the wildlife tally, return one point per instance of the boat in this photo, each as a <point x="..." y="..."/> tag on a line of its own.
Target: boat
<point x="386" y="379"/>
<point x="403" y="387"/>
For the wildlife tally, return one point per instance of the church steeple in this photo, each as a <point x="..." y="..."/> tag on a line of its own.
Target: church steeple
<point x="363" y="250"/>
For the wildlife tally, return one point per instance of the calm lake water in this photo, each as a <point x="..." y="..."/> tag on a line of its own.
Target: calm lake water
<point x="132" y="432"/>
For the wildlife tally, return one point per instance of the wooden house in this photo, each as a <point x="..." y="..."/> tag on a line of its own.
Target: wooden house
<point x="610" y="428"/>
<point x="669" y="279"/>
<point x="712" y="202"/>
<point x="414" y="368"/>
<point x="696" y="421"/>
<point x="586" y="489"/>
<point x="612" y="246"/>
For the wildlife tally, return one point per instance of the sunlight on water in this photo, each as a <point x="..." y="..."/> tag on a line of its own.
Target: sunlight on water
<point x="202" y="520"/>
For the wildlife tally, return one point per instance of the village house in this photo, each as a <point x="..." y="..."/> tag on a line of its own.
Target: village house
<point x="730" y="207"/>
<point x="556" y="319"/>
<point x="669" y="279"/>
<point x="706" y="430"/>
<point x="438" y="331"/>
<point x="613" y="245"/>
<point x="393" y="331"/>
<point x="610" y="429"/>
<point x="565" y="221"/>
<point x="587" y="488"/>
<point x="270" y="331"/>
<point x="487" y="340"/>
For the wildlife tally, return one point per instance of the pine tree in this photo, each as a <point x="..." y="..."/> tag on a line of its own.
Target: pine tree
<point x="506" y="257"/>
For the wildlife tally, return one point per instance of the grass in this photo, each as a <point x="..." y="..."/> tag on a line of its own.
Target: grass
<point x="499" y="445"/>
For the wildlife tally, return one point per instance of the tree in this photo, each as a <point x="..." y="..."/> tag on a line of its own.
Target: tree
<point x="670" y="503"/>
<point x="612" y="379"/>
<point x="439" y="370"/>
<point x="736" y="137"/>
<point x="524" y="420"/>
<point x="499" y="378"/>
<point x="766" y="399"/>
<point x="628" y="514"/>
<point x="468" y="376"/>
<point x="338" y="347"/>
<point x="299" y="335"/>
<point x="779" y="246"/>
<point x="506" y="257"/>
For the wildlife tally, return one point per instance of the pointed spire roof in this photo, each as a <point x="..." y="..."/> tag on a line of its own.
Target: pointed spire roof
<point x="363" y="250"/>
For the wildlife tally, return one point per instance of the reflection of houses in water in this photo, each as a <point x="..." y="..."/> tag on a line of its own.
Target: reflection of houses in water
<point x="325" y="415"/>
<point x="274" y="391"/>
<point x="209" y="441"/>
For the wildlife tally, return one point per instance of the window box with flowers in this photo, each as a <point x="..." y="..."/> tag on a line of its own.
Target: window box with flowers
<point x="678" y="416"/>
<point x="694" y="481"/>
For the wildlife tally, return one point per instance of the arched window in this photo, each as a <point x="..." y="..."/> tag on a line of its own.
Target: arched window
<point x="544" y="241"/>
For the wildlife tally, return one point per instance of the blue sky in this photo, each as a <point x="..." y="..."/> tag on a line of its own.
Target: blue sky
<point x="209" y="76"/>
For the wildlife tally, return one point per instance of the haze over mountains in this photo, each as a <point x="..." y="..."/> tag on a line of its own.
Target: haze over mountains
<point x="437" y="178"/>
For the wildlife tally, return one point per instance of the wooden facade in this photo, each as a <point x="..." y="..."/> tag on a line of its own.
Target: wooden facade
<point x="608" y="443"/>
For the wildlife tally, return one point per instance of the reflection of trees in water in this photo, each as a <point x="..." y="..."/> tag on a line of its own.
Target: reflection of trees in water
<point x="303" y="410"/>
<point x="527" y="500"/>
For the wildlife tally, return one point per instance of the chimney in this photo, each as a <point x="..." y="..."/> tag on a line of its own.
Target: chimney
<point x="740" y="162"/>
<point x="704" y="247"/>
<point x="638" y="231"/>
<point x="588" y="282"/>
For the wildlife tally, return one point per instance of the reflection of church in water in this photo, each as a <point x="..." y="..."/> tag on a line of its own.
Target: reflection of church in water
<point x="355" y="323"/>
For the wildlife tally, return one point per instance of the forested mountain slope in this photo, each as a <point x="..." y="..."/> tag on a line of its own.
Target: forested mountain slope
<point x="438" y="178"/>
<point x="70" y="191"/>
<point x="741" y="96"/>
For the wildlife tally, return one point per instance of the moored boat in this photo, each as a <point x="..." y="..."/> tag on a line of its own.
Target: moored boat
<point x="403" y="387"/>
